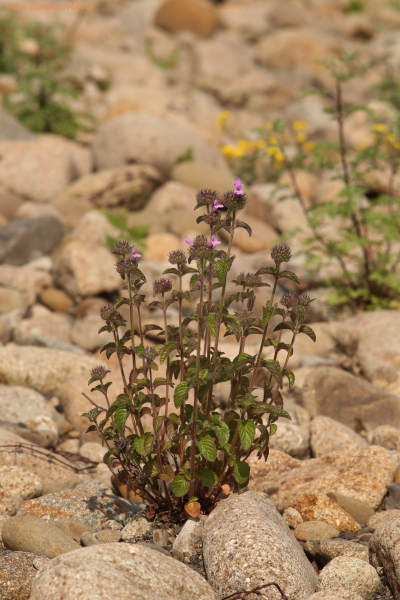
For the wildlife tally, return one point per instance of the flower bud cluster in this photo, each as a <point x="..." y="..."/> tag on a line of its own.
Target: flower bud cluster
<point x="161" y="286"/>
<point x="177" y="257"/>
<point x="234" y="201"/>
<point x="281" y="253"/>
<point x="149" y="353"/>
<point x="122" y="248"/>
<point x="289" y="300"/>
<point x="302" y="306"/>
<point x="98" y="373"/>
<point x="112" y="316"/>
<point x="126" y="266"/>
<point x="250" y="280"/>
<point x="206" y="197"/>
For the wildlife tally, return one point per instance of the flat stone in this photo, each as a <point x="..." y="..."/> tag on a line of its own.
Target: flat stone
<point x="90" y="502"/>
<point x="88" y="539"/>
<point x="247" y="543"/>
<point x="52" y="325"/>
<point x="315" y="530"/>
<point x="328" y="435"/>
<point x="335" y="594"/>
<point x="353" y="574"/>
<point x="20" y="482"/>
<point x="188" y="537"/>
<point x="30" y="534"/>
<point x="56" y="299"/>
<point x="360" y="511"/>
<point x="384" y="552"/>
<point x="16" y="575"/>
<point x="93" y="451"/>
<point x="73" y="527"/>
<point x="51" y="488"/>
<point x="24" y="240"/>
<point x="323" y="551"/>
<point x="138" y="527"/>
<point x="319" y="507"/>
<point x="382" y="517"/>
<point x="106" y="536"/>
<point x="138" y="573"/>
<point x="292" y="517"/>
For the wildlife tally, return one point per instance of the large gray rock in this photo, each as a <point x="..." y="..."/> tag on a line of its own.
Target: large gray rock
<point x="24" y="240"/>
<point x="353" y="574"/>
<point x="247" y="543"/>
<point x="386" y="436"/>
<point x="30" y="534"/>
<point x="384" y="551"/>
<point x="334" y="393"/>
<point x="292" y="439"/>
<point x="328" y="435"/>
<point x="141" y="138"/>
<point x="138" y="573"/>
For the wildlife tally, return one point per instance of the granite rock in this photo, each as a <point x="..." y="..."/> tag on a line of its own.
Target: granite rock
<point x="17" y="572"/>
<point x="29" y="534"/>
<point x="319" y="507"/>
<point x="20" y="482"/>
<point x="352" y="574"/>
<point x="315" y="530"/>
<point x="24" y="240"/>
<point x="384" y="552"/>
<point x="325" y="550"/>
<point x="328" y="435"/>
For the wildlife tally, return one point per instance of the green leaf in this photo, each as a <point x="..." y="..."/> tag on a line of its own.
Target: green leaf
<point x="180" y="486"/>
<point x="180" y="393"/>
<point x="208" y="477"/>
<point x="244" y="226"/>
<point x="222" y="430"/>
<point x="193" y="280"/>
<point x="120" y="416"/>
<point x="91" y="428"/>
<point x="289" y="275"/>
<point x="222" y="270"/>
<point x="148" y="442"/>
<point x="275" y="370"/>
<point x="211" y="323"/>
<point x="166" y="350"/>
<point x="266" y="271"/>
<point x="285" y="325"/>
<point x="139" y="446"/>
<point x="207" y="447"/>
<point x="151" y="468"/>
<point x="241" y="472"/>
<point x="308" y="331"/>
<point x="273" y="429"/>
<point x="247" y="432"/>
<point x="290" y="376"/>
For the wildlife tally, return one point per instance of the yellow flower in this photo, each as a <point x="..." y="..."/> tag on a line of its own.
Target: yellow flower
<point x="273" y="140"/>
<point x="223" y="117"/>
<point x="301" y="137"/>
<point x="272" y="150"/>
<point x="261" y="144"/>
<point x="233" y="151"/>
<point x="299" y="125"/>
<point x="380" y="128"/>
<point x="309" y="146"/>
<point x="279" y="156"/>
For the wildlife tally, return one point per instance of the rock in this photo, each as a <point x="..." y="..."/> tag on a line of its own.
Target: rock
<point x="84" y="269"/>
<point x="307" y="183"/>
<point x="315" y="530"/>
<point x="360" y="511"/>
<point x="188" y="537"/>
<point x="267" y="476"/>
<point x="384" y="552"/>
<point x="381" y="518"/>
<point x="171" y="197"/>
<point x="36" y="170"/>
<point x="147" y="139"/>
<point x="10" y="299"/>
<point x="108" y="536"/>
<point x="10" y="128"/>
<point x="292" y="439"/>
<point x="95" y="228"/>
<point x="73" y="527"/>
<point x="393" y="499"/>
<point x="160" y="537"/>
<point x="7" y="504"/>
<point x="246" y="543"/>
<point x="139" y="527"/>
<point x="335" y="594"/>
<point x="56" y="299"/>
<point x="85" y="334"/>
<point x="26" y="280"/>
<point x="135" y="570"/>
<point x="35" y="210"/>
<point x="363" y="474"/>
<point x="51" y="325"/>
<point x="23" y="240"/>
<point x="21" y="405"/>
<point x="30" y="534"/>
<point x="89" y="306"/>
<point x="386" y="436"/>
<point x="90" y="502"/>
<point x="51" y="488"/>
<point x="28" y="457"/>
<point x="159" y="245"/>
<point x="334" y="393"/>
<point x="319" y="507"/>
<point x="328" y="435"/>
<point x="198" y="17"/>
<point x="292" y="517"/>
<point x="251" y="21"/>
<point x="93" y="451"/>
<point x="17" y="572"/>
<point x="52" y="372"/>
<point x="263" y="236"/>
<point x="88" y="539"/>
<point x="127" y="186"/>
<point x="111" y="525"/>
<point x="20" y="482"/>
<point x="200" y="176"/>
<point x="352" y="574"/>
<point x="323" y="551"/>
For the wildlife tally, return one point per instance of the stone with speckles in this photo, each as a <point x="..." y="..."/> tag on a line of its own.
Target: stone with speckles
<point x="247" y="543"/>
<point x="384" y="551"/>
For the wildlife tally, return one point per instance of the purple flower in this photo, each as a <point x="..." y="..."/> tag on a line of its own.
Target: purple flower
<point x="187" y="241"/>
<point x="135" y="254"/>
<point x="213" y="241"/>
<point x="238" y="186"/>
<point x="216" y="205"/>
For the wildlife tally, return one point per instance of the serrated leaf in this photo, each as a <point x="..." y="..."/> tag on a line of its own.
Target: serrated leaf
<point x="168" y="473"/>
<point x="275" y="370"/>
<point x="208" y="477"/>
<point x="308" y="331"/>
<point x="290" y="376"/>
<point x="193" y="509"/>
<point x="166" y="350"/>
<point x="266" y="271"/>
<point x="285" y="325"/>
<point x="139" y="446"/>
<point x="247" y="432"/>
<point x="244" y="226"/>
<point x="207" y="447"/>
<point x="180" y="486"/>
<point x="158" y="421"/>
<point x="222" y="270"/>
<point x="148" y="442"/>
<point x="241" y="472"/>
<point x="290" y="275"/>
<point x="180" y="393"/>
<point x="222" y="430"/>
<point x="193" y="280"/>
<point x="151" y="468"/>
<point x="273" y="429"/>
<point x="120" y="416"/>
<point x="212" y="324"/>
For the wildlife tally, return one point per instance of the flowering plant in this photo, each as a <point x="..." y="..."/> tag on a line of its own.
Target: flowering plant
<point x="196" y="450"/>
